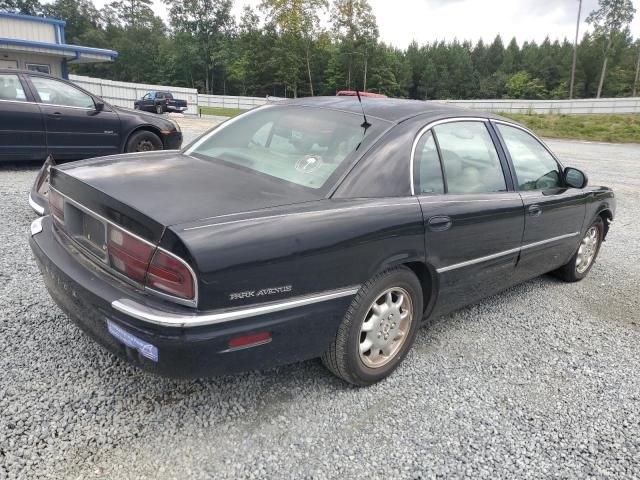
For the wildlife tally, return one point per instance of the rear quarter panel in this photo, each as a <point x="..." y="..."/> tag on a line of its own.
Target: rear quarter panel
<point x="306" y="249"/>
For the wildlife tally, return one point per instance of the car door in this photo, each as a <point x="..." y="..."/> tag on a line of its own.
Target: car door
<point x="75" y="128"/>
<point x="22" y="131"/>
<point x="473" y="218"/>
<point x="554" y="212"/>
<point x="147" y="101"/>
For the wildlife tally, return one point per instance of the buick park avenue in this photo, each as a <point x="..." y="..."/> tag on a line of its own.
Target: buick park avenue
<point x="320" y="227"/>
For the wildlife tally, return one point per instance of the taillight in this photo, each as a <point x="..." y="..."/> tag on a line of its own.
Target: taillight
<point x="142" y="262"/>
<point x="127" y="254"/>
<point x="170" y="275"/>
<point x="56" y="205"/>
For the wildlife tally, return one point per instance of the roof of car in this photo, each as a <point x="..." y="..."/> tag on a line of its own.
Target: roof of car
<point x="390" y="109"/>
<point x="22" y="70"/>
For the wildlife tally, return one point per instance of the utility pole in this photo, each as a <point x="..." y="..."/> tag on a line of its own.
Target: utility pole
<point x="635" y="82"/>
<point x="575" y="52"/>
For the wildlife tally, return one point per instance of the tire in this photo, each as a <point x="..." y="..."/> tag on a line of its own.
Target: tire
<point x="136" y="107"/>
<point x="575" y="269"/>
<point x="159" y="109"/>
<point x="143" y="141"/>
<point x="344" y="358"/>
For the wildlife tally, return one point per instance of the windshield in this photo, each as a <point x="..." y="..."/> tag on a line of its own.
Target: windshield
<point x="309" y="147"/>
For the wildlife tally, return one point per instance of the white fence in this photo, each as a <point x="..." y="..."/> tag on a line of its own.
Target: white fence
<point x="228" y="101"/>
<point x="581" y="106"/>
<point x="124" y="94"/>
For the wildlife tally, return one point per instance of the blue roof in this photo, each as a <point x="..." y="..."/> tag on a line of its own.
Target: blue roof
<point x="53" y="21"/>
<point x="59" y="46"/>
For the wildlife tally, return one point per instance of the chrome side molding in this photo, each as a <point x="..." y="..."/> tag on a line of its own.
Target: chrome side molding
<point x="168" y="319"/>
<point x="505" y="253"/>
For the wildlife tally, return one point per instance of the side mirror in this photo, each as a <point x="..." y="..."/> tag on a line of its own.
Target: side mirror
<point x="99" y="105"/>
<point x="575" y="178"/>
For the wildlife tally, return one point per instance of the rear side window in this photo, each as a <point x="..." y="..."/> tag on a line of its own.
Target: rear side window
<point x="535" y="167"/>
<point x="428" y="164"/>
<point x="471" y="163"/>
<point x="11" y="88"/>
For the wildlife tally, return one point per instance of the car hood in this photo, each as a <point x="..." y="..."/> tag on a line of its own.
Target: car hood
<point x="147" y="117"/>
<point x="171" y="188"/>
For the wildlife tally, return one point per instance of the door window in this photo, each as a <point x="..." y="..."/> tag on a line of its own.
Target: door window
<point x="11" y="88"/>
<point x="54" y="92"/>
<point x="428" y="165"/>
<point x="147" y="96"/>
<point x="535" y="167"/>
<point x="471" y="163"/>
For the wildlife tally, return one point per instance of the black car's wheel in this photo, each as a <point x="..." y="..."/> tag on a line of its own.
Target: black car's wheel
<point x="143" y="141"/>
<point x="159" y="109"/>
<point x="378" y="329"/>
<point x="580" y="264"/>
<point x="136" y="107"/>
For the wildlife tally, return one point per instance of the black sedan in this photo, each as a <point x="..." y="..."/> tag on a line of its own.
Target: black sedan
<point x="41" y="115"/>
<point x="304" y="229"/>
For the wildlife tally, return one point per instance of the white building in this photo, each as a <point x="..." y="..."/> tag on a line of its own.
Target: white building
<point x="37" y="43"/>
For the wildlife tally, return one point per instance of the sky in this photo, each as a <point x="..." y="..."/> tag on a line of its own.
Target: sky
<point x="401" y="21"/>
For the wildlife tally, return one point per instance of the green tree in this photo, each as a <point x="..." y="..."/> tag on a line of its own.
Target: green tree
<point x="206" y="23"/>
<point x="609" y="20"/>
<point x="23" y="7"/>
<point x="521" y="85"/>
<point x="298" y="25"/>
<point x="355" y="28"/>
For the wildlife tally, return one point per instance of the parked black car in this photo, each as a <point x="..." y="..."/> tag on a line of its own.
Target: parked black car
<point x="303" y="230"/>
<point x="160" y="102"/>
<point x="42" y="115"/>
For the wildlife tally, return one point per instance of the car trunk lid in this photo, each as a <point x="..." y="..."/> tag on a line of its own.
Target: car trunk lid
<point x="159" y="189"/>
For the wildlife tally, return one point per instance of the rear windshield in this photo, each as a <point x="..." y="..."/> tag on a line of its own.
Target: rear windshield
<point x="304" y="146"/>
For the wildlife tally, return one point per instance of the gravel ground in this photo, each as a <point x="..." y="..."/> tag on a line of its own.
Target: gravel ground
<point x="539" y="381"/>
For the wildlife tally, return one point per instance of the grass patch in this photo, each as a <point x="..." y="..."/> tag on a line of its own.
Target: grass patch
<point x="622" y="128"/>
<point x="221" y="112"/>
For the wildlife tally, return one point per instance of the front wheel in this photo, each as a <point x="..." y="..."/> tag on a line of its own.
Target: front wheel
<point x="143" y="141"/>
<point x="580" y="264"/>
<point x="378" y="329"/>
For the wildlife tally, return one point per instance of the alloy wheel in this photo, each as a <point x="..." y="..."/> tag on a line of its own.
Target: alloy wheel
<point x="385" y="327"/>
<point x="587" y="250"/>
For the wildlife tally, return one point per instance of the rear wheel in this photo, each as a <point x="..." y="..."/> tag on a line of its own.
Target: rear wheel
<point x="378" y="329"/>
<point x="143" y="141"/>
<point x="580" y="264"/>
<point x="159" y="109"/>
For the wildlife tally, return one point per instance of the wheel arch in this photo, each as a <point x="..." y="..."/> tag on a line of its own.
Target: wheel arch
<point x="427" y="276"/>
<point x="146" y="127"/>
<point x="607" y="217"/>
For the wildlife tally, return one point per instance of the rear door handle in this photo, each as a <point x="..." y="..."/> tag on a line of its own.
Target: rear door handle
<point x="535" y="210"/>
<point x="439" y="223"/>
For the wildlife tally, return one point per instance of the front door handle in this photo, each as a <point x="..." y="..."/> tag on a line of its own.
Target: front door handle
<point x="439" y="223"/>
<point x="535" y="210"/>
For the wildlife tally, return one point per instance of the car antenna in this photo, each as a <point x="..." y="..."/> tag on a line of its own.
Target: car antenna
<point x="365" y="124"/>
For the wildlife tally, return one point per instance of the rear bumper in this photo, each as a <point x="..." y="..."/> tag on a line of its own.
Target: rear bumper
<point x="86" y="295"/>
<point x="175" y="108"/>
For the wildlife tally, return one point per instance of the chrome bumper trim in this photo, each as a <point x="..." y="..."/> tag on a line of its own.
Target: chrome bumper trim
<point x="168" y="319"/>
<point x="36" y="208"/>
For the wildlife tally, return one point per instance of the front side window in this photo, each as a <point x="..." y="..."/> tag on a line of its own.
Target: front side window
<point x="471" y="163"/>
<point x="304" y="146"/>
<point x="535" y="167"/>
<point x="54" y="92"/>
<point x="427" y="161"/>
<point x="11" y="88"/>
